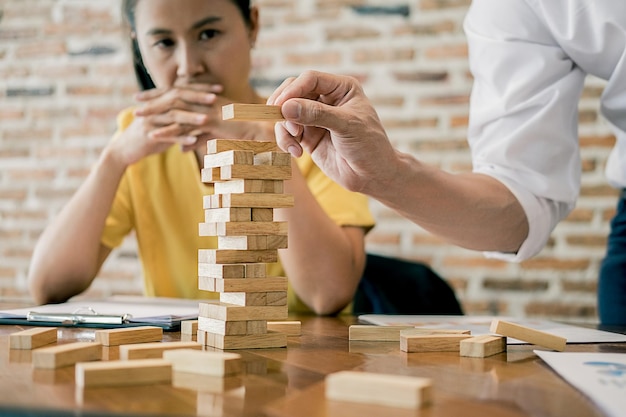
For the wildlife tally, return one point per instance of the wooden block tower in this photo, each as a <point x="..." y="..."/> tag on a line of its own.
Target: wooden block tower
<point x="248" y="179"/>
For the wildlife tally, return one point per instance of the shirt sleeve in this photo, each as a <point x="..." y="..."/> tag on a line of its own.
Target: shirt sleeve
<point x="119" y="221"/>
<point x="524" y="114"/>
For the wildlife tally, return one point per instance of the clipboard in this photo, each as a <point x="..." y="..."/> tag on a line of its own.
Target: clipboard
<point x="166" y="313"/>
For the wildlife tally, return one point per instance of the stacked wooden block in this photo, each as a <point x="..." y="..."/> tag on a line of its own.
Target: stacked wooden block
<point x="248" y="178"/>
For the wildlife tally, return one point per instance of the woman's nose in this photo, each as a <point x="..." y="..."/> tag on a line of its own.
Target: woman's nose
<point x="189" y="62"/>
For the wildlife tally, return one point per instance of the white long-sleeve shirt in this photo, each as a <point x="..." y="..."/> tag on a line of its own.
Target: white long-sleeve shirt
<point x="529" y="59"/>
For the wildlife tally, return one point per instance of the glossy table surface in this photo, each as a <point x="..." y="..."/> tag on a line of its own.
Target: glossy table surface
<point x="290" y="381"/>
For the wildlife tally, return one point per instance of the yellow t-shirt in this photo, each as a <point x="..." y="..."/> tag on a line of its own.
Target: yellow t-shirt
<point x="160" y="197"/>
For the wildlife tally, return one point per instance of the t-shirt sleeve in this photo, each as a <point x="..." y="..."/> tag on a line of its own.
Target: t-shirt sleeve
<point x="119" y="221"/>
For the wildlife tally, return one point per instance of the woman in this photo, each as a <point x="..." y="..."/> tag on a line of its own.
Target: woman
<point x="197" y="55"/>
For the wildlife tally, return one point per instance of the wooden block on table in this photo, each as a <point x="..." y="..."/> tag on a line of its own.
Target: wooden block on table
<point x="253" y="242"/>
<point x="33" y="338"/>
<point x="230" y="312"/>
<point x="254" y="341"/>
<point x="254" y="112"/>
<point x="526" y="334"/>
<point x="205" y="383"/>
<point x="242" y="285"/>
<point x="290" y="328"/>
<point x="381" y="389"/>
<point x="221" y="145"/>
<point x="482" y="346"/>
<point x="376" y="333"/>
<point x="66" y="354"/>
<point x="231" y="157"/>
<point x="421" y="330"/>
<point x="221" y="270"/>
<point x="272" y="158"/>
<point x="227" y="256"/>
<point x="255" y="172"/>
<point x="128" y="335"/>
<point x="123" y="373"/>
<point x="232" y="328"/>
<point x="153" y="350"/>
<point x="431" y="342"/>
<point x="228" y="214"/>
<point x="204" y="362"/>
<point x="273" y="298"/>
<point x="240" y="186"/>
<point x="189" y="327"/>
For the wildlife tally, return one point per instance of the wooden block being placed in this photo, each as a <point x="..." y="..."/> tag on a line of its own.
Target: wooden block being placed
<point x="376" y="333"/>
<point x="526" y="334"/>
<point x="240" y="186"/>
<point x="189" y="327"/>
<point x="205" y="363"/>
<point x="290" y="328"/>
<point x="381" y="389"/>
<point x="128" y="335"/>
<point x="242" y="285"/>
<point x="123" y="373"/>
<point x="66" y="354"/>
<point x="228" y="214"/>
<point x="226" y="256"/>
<point x="153" y="350"/>
<point x="254" y="112"/>
<point x="230" y="312"/>
<point x="431" y="342"/>
<point x="255" y="341"/>
<point x="231" y="157"/>
<point x="221" y="145"/>
<point x="255" y="172"/>
<point x="482" y="346"/>
<point x="33" y="338"/>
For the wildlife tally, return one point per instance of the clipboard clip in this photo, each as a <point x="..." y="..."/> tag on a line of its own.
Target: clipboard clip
<point x="83" y="315"/>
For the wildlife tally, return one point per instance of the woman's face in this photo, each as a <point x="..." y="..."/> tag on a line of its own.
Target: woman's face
<point x="196" y="42"/>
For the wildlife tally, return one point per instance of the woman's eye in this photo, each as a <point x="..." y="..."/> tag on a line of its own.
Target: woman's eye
<point x="208" y="34"/>
<point x="164" y="43"/>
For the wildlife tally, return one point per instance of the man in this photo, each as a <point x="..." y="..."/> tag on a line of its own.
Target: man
<point x="529" y="59"/>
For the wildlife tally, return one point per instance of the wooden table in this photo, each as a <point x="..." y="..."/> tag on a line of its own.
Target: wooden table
<point x="290" y="381"/>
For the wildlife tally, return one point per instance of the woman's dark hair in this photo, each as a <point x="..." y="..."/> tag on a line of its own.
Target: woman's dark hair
<point x="128" y="11"/>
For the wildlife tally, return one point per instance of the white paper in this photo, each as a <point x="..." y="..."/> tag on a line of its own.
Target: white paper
<point x="140" y="309"/>
<point x="479" y="325"/>
<point x="600" y="376"/>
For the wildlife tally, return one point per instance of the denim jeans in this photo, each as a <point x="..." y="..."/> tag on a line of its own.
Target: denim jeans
<point x="612" y="279"/>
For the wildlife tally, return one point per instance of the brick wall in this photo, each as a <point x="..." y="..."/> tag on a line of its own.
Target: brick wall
<point x="64" y="74"/>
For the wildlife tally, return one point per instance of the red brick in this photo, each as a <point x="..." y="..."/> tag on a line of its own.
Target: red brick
<point x="412" y="123"/>
<point x="313" y="58"/>
<point x="445" y="100"/>
<point x="518" y="284"/>
<point x="570" y="285"/>
<point x="42" y="49"/>
<point x="556" y="264"/>
<point x="444" y="52"/>
<point x="351" y="32"/>
<point x="473" y="262"/>
<point x="438" y="28"/>
<point x="590" y="241"/>
<point x="580" y="215"/>
<point x="364" y="56"/>
<point x="559" y="309"/>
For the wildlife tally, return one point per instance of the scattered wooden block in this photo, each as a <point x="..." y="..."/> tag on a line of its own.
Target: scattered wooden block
<point x="482" y="346"/>
<point x="431" y="342"/>
<point x="256" y="146"/>
<point x="66" y="354"/>
<point x="290" y="328"/>
<point x="123" y="373"/>
<point x="204" y="362"/>
<point x="153" y="350"/>
<point x="205" y="383"/>
<point x="419" y="330"/>
<point x="382" y="389"/>
<point x="33" y="338"/>
<point x="128" y="335"/>
<point x="254" y="112"/>
<point x="526" y="334"/>
<point x="376" y="333"/>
